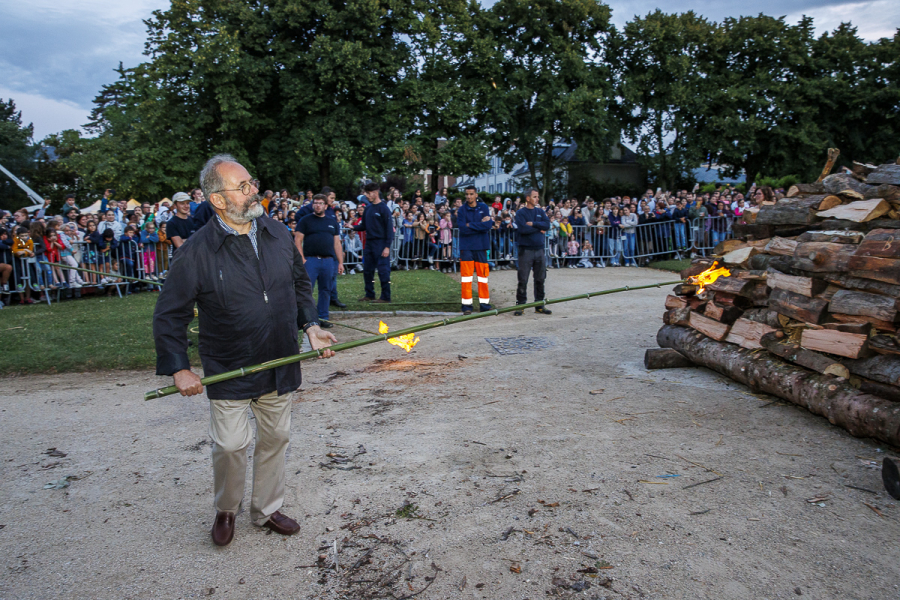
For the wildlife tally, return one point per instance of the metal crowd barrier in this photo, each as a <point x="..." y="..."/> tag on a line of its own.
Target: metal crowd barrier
<point x="607" y="247"/>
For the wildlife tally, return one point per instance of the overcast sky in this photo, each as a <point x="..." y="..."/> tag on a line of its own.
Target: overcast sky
<point x="56" y="54"/>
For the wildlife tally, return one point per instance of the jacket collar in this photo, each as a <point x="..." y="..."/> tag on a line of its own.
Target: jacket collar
<point x="219" y="234"/>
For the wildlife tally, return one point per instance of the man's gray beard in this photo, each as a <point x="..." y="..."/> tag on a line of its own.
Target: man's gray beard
<point x="249" y="213"/>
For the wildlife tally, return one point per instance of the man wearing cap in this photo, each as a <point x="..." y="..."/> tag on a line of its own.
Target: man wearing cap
<point x="181" y="226"/>
<point x="246" y="277"/>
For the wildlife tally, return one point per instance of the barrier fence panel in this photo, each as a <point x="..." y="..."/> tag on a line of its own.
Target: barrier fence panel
<point x="707" y="232"/>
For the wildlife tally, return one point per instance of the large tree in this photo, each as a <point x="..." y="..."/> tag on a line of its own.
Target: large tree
<point x="16" y="154"/>
<point x="759" y="118"/>
<point x="547" y="59"/>
<point x="661" y="63"/>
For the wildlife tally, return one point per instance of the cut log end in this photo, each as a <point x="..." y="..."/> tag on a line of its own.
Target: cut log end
<point x="665" y="358"/>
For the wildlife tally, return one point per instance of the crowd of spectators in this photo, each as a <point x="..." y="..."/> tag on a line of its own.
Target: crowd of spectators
<point x="119" y="241"/>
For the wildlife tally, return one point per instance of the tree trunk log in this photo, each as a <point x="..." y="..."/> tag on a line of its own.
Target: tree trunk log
<point x="861" y="414"/>
<point x="847" y="185"/>
<point x="782" y="246"/>
<point x="888" y="173"/>
<point x="805" y="189"/>
<point x="839" y="343"/>
<point x="803" y="357"/>
<point x="833" y="237"/>
<point x="864" y="285"/>
<point x="882" y="243"/>
<point x="795" y="306"/>
<point x="722" y="314"/>
<point x="665" y="358"/>
<point x="805" y="286"/>
<point x="864" y="304"/>
<point x="883" y="368"/>
<point x="766" y="316"/>
<point x="747" y="334"/>
<point x="823" y="257"/>
<point x="796" y="211"/>
<point x="708" y="327"/>
<point x="876" y="323"/>
<point x="879" y="269"/>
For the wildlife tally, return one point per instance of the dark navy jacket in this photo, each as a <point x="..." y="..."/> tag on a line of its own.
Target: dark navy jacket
<point x="531" y="237"/>
<point x="250" y="309"/>
<point x="377" y="223"/>
<point x="473" y="233"/>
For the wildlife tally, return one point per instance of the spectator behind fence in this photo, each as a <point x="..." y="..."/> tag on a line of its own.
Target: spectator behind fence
<point x="181" y="226"/>
<point x="6" y="260"/>
<point x="23" y="250"/>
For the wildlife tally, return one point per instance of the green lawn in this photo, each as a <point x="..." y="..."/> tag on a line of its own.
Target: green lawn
<point x="675" y="266"/>
<point x="116" y="333"/>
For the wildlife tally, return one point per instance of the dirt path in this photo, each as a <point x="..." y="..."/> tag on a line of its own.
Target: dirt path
<point x="564" y="472"/>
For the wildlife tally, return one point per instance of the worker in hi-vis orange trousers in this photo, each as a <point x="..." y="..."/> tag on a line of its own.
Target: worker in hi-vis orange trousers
<point x="474" y="222"/>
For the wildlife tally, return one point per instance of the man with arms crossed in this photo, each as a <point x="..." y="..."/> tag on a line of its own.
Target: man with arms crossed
<point x="245" y="275"/>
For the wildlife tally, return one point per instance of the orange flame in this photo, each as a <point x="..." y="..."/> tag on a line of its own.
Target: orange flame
<point x="708" y="276"/>
<point x="404" y="341"/>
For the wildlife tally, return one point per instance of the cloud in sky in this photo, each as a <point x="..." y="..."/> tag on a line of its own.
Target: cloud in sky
<point x="56" y="54"/>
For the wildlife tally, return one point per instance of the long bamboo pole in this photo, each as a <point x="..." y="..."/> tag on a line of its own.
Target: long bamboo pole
<point x="166" y="391"/>
<point x="116" y="275"/>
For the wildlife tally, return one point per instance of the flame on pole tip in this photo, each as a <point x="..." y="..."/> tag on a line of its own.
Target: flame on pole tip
<point x="708" y="276"/>
<point x="404" y="341"/>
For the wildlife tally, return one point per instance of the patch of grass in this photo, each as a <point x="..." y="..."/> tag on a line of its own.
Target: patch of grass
<point x="675" y="266"/>
<point x="90" y="334"/>
<point x="95" y="334"/>
<point x="410" y="290"/>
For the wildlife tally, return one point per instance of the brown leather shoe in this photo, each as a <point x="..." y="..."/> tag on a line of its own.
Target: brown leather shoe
<point x="365" y="299"/>
<point x="281" y="524"/>
<point x="223" y="528"/>
<point x="381" y="301"/>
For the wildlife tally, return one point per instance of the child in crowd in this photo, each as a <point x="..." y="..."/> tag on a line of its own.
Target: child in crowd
<point x="587" y="254"/>
<point x="149" y="239"/>
<point x="23" y="250"/>
<point x="53" y="248"/>
<point x="572" y="251"/>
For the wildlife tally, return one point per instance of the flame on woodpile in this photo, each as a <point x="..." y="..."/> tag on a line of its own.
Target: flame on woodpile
<point x="404" y="341"/>
<point x="708" y="276"/>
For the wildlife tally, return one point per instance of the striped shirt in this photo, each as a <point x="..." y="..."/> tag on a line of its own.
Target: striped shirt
<point x="231" y="231"/>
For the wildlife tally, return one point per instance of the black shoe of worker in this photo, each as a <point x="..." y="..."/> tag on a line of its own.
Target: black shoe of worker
<point x="519" y="312"/>
<point x="338" y="304"/>
<point x="466" y="309"/>
<point x="485" y="307"/>
<point x="326" y="324"/>
<point x="543" y="310"/>
<point x="365" y="299"/>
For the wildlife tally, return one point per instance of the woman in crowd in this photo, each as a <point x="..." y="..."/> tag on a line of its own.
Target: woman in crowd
<point x="446" y="238"/>
<point x="149" y="240"/>
<point x="421" y="233"/>
<point x="629" y="229"/>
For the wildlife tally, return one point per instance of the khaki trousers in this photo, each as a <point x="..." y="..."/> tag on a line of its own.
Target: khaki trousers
<point x="230" y="431"/>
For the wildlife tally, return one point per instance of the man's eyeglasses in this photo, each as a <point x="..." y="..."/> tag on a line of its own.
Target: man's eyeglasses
<point x="245" y="188"/>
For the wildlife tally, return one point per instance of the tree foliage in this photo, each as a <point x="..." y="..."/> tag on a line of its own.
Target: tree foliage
<point x="16" y="153"/>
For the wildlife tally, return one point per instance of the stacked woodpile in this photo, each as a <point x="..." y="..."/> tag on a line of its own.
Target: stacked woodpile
<point x="811" y="308"/>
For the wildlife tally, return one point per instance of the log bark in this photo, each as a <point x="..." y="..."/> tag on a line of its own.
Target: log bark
<point x="887" y="173"/>
<point x="891" y="193"/>
<point x="885" y="344"/>
<point x="864" y="304"/>
<point x="839" y="343"/>
<point x="866" y="285"/>
<point x="678" y="316"/>
<point x="685" y="289"/>
<point x="796" y="211"/>
<point x="796" y="306"/>
<point x="834" y="237"/>
<point x="861" y="414"/>
<point x="726" y="246"/>
<point x="732" y="285"/>
<point x="805" y="358"/>
<point x="805" y="189"/>
<point x="665" y="358"/>
<point x="883" y="390"/>
<point x="781" y="246"/>
<point x="726" y="299"/>
<point x="740" y="256"/>
<point x="805" y="286"/>
<point x="883" y="368"/>
<point x="766" y="316"/>
<point x="833" y="154"/>
<point x="722" y="314"/>
<point x="841" y="224"/>
<point x="708" y="327"/>
<point x="879" y="269"/>
<point x="847" y="185"/>
<point x="747" y="334"/>
<point x="860" y="211"/>
<point x="881" y="243"/>
<point x="760" y="262"/>
<point x="876" y="323"/>
<point x="860" y="328"/>
<point x="823" y="257"/>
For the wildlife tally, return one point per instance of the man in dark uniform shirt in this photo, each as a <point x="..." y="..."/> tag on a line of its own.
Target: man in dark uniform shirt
<point x="379" y="228"/>
<point x="318" y="239"/>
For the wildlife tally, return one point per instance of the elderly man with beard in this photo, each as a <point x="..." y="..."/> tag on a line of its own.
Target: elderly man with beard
<point x="247" y="278"/>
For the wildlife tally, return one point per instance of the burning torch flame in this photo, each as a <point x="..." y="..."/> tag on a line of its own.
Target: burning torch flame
<point x="708" y="276"/>
<point x="404" y="341"/>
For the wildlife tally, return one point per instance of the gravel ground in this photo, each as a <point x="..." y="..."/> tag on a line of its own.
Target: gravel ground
<point x="457" y="472"/>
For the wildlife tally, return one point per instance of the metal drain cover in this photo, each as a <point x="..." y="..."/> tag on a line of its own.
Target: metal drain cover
<point x="518" y="344"/>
